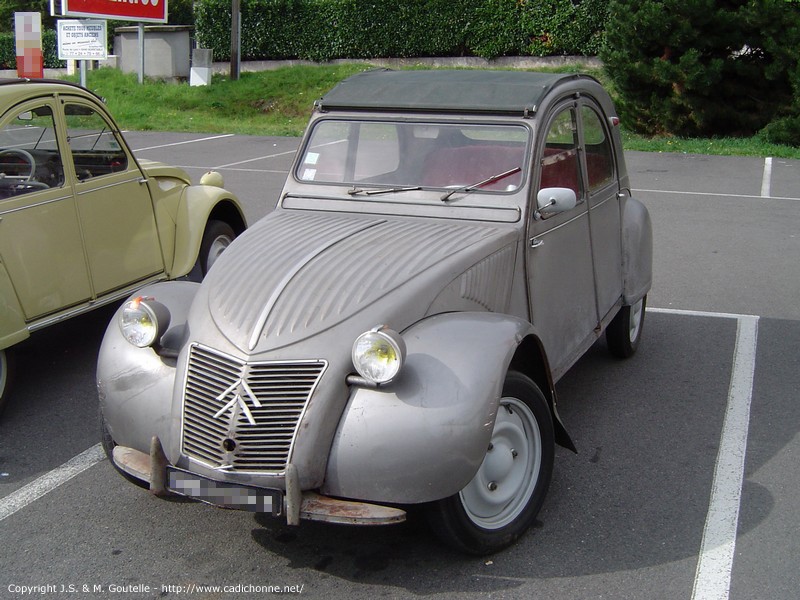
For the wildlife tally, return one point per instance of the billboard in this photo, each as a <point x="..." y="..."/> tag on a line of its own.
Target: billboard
<point x="154" y="11"/>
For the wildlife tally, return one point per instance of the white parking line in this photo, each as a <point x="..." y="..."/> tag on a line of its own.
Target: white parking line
<point x="205" y="139"/>
<point x="49" y="481"/>
<point x="715" y="562"/>
<point x="766" y="179"/>
<point x="714" y="194"/>
<point x="249" y="160"/>
<point x="713" y="576"/>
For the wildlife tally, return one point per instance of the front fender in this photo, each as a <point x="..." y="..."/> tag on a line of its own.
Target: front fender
<point x="423" y="437"/>
<point x="135" y="385"/>
<point x="198" y="204"/>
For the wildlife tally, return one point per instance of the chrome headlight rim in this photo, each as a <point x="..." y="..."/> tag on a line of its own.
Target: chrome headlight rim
<point x="379" y="354"/>
<point x="143" y="320"/>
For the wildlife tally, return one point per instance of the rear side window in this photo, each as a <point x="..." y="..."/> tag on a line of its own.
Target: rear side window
<point x="599" y="160"/>
<point x="29" y="156"/>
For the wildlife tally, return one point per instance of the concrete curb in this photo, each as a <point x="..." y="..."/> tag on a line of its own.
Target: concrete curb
<point x="474" y="62"/>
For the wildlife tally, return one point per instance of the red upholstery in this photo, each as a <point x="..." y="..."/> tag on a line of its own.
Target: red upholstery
<point x="564" y="173"/>
<point x="470" y="164"/>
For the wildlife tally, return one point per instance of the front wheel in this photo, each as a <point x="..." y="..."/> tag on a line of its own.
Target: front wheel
<point x="625" y="330"/>
<point x="502" y="500"/>
<point x="216" y="238"/>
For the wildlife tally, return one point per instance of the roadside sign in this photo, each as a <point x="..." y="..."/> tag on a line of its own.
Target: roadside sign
<point x="82" y="40"/>
<point x="154" y="11"/>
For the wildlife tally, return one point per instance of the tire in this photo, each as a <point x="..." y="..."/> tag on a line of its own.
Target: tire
<point x="503" y="499"/>
<point x="108" y="444"/>
<point x="6" y="372"/>
<point x="625" y="330"/>
<point x="216" y="238"/>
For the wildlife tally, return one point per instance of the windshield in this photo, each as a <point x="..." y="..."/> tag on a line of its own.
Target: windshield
<point x="372" y="155"/>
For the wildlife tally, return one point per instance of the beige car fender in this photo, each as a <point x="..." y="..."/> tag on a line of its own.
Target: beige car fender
<point x="198" y="205"/>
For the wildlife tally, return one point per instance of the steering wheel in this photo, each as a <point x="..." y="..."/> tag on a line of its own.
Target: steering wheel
<point x="26" y="156"/>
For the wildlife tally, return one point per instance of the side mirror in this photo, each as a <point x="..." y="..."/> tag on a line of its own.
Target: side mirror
<point x="555" y="200"/>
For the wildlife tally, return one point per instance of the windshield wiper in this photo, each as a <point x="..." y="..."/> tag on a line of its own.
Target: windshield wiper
<point x="475" y="186"/>
<point x="356" y="190"/>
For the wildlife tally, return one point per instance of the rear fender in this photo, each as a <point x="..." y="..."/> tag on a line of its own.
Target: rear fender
<point x="637" y="251"/>
<point x="12" y="325"/>
<point x="423" y="437"/>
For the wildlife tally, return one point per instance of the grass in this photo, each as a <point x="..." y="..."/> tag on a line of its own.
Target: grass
<point x="279" y="102"/>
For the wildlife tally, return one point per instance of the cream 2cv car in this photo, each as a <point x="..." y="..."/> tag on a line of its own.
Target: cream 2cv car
<point x="446" y="246"/>
<point x="83" y="222"/>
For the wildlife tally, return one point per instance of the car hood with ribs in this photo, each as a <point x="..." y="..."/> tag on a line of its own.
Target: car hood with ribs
<point x="295" y="275"/>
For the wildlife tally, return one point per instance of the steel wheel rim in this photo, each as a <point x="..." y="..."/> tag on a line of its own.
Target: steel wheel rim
<point x="218" y="246"/>
<point x="635" y="320"/>
<point x="505" y="481"/>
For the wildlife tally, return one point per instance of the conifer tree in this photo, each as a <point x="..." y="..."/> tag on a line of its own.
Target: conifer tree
<point x="702" y="67"/>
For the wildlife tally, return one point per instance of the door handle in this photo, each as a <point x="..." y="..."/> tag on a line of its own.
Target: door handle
<point x="536" y="242"/>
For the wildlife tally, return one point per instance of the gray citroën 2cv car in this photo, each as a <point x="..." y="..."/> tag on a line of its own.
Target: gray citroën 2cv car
<point x="447" y="244"/>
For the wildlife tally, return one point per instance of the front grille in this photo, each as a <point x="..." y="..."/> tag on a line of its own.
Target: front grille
<point x="223" y="426"/>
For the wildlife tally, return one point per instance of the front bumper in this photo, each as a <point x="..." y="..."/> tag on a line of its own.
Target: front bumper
<point x="294" y="504"/>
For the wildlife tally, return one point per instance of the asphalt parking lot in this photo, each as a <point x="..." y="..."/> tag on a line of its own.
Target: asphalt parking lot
<point x="685" y="485"/>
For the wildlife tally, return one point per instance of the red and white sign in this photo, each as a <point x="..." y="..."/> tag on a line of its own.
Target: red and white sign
<point x="125" y="10"/>
<point x="28" y="28"/>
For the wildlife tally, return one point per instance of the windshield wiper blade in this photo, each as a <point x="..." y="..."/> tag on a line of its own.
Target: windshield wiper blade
<point x="356" y="190"/>
<point x="475" y="186"/>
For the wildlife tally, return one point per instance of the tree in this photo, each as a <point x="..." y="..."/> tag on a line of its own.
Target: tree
<point x="702" y="67"/>
<point x="9" y="7"/>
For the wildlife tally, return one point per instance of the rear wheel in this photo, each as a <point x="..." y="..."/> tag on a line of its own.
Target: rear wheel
<point x="625" y="330"/>
<point x="502" y="500"/>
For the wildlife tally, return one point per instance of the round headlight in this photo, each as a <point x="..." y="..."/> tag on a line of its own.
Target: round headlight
<point x="378" y="354"/>
<point x="143" y="321"/>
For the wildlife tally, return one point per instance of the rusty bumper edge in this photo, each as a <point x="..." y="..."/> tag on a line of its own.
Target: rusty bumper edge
<point x="150" y="468"/>
<point x="347" y="512"/>
<point x="300" y="505"/>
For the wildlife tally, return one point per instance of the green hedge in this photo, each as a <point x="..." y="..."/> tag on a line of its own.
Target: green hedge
<point x="8" y="51"/>
<point x="327" y="29"/>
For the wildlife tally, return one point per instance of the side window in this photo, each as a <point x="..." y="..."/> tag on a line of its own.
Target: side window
<point x="29" y="156"/>
<point x="94" y="146"/>
<point x="560" y="161"/>
<point x="599" y="160"/>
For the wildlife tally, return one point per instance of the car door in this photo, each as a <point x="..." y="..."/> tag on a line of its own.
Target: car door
<point x="602" y="185"/>
<point x="41" y="246"/>
<point x="114" y="204"/>
<point x="559" y="257"/>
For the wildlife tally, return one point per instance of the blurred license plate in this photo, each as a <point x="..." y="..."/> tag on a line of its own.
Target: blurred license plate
<point x="220" y="493"/>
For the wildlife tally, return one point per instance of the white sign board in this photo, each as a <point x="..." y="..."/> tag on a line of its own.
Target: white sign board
<point x="82" y="40"/>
